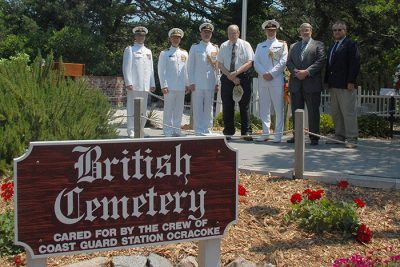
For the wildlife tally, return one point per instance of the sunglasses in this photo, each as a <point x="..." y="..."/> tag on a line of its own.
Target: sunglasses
<point x="337" y="30"/>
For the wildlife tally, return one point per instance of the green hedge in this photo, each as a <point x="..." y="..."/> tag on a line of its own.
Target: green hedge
<point x="369" y="125"/>
<point x="38" y="103"/>
<point x="255" y="122"/>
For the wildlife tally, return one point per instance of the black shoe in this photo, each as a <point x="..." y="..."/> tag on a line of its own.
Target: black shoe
<point x="314" y="142"/>
<point x="228" y="137"/>
<point x="290" y="141"/>
<point x="247" y="137"/>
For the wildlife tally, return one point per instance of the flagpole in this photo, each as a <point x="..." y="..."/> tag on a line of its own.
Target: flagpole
<point x="244" y="19"/>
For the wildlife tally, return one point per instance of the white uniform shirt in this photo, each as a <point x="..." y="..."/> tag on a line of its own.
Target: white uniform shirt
<point x="137" y="67"/>
<point x="270" y="57"/>
<point x="243" y="54"/>
<point x="172" y="69"/>
<point x="202" y="66"/>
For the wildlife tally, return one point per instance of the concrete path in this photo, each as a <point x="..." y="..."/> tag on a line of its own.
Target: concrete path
<point x="374" y="163"/>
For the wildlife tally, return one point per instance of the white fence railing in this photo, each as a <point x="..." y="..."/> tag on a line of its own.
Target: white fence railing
<point x="367" y="102"/>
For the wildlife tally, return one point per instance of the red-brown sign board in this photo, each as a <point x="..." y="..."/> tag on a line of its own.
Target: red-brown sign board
<point x="85" y="196"/>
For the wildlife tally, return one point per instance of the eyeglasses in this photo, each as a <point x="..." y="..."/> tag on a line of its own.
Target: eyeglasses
<point x="337" y="30"/>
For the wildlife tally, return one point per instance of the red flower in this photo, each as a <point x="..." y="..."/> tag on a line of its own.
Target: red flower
<point x="296" y="198"/>
<point x="313" y="195"/>
<point x="359" y="202"/>
<point x="363" y="234"/>
<point x="242" y="191"/>
<point x="7" y="191"/>
<point x="343" y="184"/>
<point x="307" y="191"/>
<point x="17" y="260"/>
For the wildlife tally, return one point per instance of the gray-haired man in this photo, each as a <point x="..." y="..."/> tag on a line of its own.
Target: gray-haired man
<point x="305" y="62"/>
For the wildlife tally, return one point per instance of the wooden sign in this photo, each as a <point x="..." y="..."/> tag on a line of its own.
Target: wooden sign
<point x="71" y="69"/>
<point x="85" y="196"/>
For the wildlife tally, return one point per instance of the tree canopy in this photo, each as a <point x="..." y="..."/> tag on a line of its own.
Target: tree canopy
<point x="96" y="32"/>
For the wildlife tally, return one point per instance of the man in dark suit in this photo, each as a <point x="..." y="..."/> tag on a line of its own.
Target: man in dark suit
<point x="342" y="69"/>
<point x="305" y="62"/>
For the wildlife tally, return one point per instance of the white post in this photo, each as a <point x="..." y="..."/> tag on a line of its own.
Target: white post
<point x="244" y="19"/>
<point x="299" y="144"/>
<point x="137" y="117"/>
<point x="210" y="253"/>
<point x="255" y="97"/>
<point x="218" y="106"/>
<point x="41" y="262"/>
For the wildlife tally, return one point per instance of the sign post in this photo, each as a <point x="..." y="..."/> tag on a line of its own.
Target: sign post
<point x="87" y="196"/>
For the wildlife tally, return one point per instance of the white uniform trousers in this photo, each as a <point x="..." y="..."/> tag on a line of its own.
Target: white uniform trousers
<point x="173" y="110"/>
<point x="131" y="95"/>
<point x="272" y="94"/>
<point x="202" y="101"/>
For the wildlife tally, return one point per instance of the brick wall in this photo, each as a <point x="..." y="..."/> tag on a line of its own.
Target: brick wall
<point x="111" y="86"/>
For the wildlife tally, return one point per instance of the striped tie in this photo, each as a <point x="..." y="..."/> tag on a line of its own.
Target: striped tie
<point x="233" y="57"/>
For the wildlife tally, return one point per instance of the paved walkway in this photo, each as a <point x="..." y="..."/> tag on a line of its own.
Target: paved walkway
<point x="375" y="163"/>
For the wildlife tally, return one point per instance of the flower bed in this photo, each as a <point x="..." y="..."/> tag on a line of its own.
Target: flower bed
<point x="262" y="235"/>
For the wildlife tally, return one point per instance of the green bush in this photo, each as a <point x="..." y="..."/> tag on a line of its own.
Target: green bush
<point x="326" y="124"/>
<point x="7" y="246"/>
<point x="255" y="123"/>
<point x="38" y="103"/>
<point x="313" y="211"/>
<point x="373" y="125"/>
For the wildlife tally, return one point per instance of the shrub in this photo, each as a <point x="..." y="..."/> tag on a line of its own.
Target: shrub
<point x="326" y="124"/>
<point x="373" y="125"/>
<point x="37" y="103"/>
<point x="313" y="211"/>
<point x="255" y="123"/>
<point x="7" y="246"/>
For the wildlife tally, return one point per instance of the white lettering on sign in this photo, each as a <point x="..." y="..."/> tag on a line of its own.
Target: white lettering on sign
<point x="141" y="239"/>
<point x="90" y="167"/>
<point x="72" y="236"/>
<point x="54" y="248"/>
<point x="114" y="208"/>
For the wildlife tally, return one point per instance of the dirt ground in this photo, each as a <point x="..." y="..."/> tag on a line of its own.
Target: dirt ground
<point x="262" y="235"/>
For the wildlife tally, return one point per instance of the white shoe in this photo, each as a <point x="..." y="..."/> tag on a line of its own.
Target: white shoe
<point x="262" y="138"/>
<point x="131" y="133"/>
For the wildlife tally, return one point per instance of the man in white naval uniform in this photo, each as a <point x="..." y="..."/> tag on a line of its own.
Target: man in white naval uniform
<point x="138" y="71"/>
<point x="172" y="72"/>
<point x="202" y="72"/>
<point x="270" y="62"/>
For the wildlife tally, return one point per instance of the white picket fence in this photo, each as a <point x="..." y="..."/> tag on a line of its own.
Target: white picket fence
<point x="367" y="103"/>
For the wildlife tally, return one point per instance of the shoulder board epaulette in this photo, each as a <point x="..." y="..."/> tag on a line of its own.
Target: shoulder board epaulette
<point x="282" y="41"/>
<point x="264" y="46"/>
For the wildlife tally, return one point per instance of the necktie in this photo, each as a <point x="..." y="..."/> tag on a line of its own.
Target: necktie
<point x="333" y="52"/>
<point x="233" y="56"/>
<point x="303" y="49"/>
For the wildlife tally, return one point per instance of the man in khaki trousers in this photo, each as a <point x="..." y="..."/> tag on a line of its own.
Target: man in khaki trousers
<point x="342" y="68"/>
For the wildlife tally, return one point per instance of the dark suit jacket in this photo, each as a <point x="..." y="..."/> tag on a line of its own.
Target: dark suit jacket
<point x="313" y="61"/>
<point x="345" y="65"/>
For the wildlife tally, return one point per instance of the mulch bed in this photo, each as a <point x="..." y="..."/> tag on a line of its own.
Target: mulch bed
<point x="262" y="235"/>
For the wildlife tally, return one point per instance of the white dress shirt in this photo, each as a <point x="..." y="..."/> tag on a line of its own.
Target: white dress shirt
<point x="202" y="70"/>
<point x="137" y="67"/>
<point x="244" y="53"/>
<point x="172" y="69"/>
<point x="270" y="57"/>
